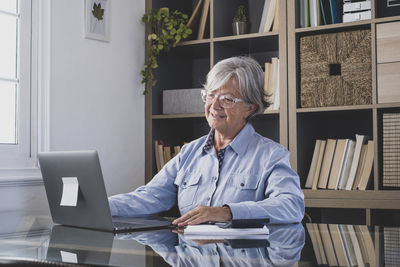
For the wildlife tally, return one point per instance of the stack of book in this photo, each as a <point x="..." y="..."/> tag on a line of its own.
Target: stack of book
<point x="164" y="152"/>
<point x="355" y="10"/>
<point x="320" y="12"/>
<point x="271" y="83"/>
<point x="391" y="150"/>
<point x="391" y="240"/>
<point x="270" y="16"/>
<point x="342" y="245"/>
<point x="341" y="164"/>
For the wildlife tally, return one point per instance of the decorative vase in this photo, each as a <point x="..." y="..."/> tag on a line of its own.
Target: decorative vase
<point x="239" y="28"/>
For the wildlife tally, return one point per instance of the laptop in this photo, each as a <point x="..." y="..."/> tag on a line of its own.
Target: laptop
<point x="91" y="208"/>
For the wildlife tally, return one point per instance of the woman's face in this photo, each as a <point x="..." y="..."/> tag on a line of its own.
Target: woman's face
<point x="227" y="121"/>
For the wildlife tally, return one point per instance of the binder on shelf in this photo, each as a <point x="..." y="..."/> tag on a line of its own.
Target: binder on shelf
<point x="203" y="19"/>
<point x="360" y="167"/>
<point x="270" y="16"/>
<point x="315" y="10"/>
<point x="336" y="8"/>
<point x="348" y="245"/>
<point x="338" y="245"/>
<point x="327" y="244"/>
<point x="327" y="163"/>
<point x="264" y="15"/>
<point x="313" y="166"/>
<point x="347" y="165"/>
<point x="157" y="156"/>
<point x="337" y="163"/>
<point x="319" y="164"/>
<point x="195" y="15"/>
<point x="305" y="13"/>
<point x="315" y="237"/>
<point x="355" y="244"/>
<point x="360" y="139"/>
<point x="326" y="12"/>
<point x="367" y="166"/>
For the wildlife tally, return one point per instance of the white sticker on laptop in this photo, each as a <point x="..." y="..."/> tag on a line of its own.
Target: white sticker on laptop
<point x="68" y="257"/>
<point x="70" y="191"/>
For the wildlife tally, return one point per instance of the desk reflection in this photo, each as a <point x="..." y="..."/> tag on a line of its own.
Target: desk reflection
<point x="283" y="248"/>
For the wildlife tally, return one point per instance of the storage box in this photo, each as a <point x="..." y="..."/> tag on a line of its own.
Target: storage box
<point x="349" y="17"/>
<point x="182" y="101"/>
<point x="335" y="69"/>
<point x="388" y="42"/>
<point x="356" y="6"/>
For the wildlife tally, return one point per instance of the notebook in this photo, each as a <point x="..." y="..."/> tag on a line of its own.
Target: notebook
<point x="77" y="196"/>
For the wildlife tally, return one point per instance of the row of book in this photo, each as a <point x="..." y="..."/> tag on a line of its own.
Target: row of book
<point x="270" y="16"/>
<point x="164" y="152"/>
<point x="341" y="164"/>
<point x="271" y="83"/>
<point x="391" y="150"/>
<point x="322" y="12"/>
<point x="342" y="245"/>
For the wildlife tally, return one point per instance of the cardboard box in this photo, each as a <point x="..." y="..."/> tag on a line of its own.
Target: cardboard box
<point x="182" y="101"/>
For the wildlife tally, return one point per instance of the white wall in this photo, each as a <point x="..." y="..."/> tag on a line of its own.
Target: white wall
<point x="95" y="90"/>
<point x="95" y="101"/>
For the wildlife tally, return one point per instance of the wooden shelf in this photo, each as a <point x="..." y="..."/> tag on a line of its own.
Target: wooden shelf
<point x="178" y="116"/>
<point x="334" y="26"/>
<point x="335" y="108"/>
<point x="370" y="199"/>
<point x="244" y="36"/>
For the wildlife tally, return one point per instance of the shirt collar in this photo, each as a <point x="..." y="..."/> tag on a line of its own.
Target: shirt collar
<point x="239" y="143"/>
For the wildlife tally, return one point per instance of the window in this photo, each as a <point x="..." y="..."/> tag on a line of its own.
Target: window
<point x="16" y="142"/>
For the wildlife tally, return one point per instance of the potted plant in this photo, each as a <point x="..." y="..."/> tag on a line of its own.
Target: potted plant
<point x="167" y="30"/>
<point x="239" y="25"/>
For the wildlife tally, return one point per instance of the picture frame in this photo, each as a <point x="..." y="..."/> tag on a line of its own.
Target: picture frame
<point x="97" y="20"/>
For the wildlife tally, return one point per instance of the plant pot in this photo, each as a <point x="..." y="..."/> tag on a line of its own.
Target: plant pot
<point x="239" y="28"/>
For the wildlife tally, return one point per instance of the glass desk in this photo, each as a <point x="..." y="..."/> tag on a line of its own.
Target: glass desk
<point x="38" y="241"/>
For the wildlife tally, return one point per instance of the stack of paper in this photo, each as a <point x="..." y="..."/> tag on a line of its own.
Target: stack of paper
<point x="203" y="231"/>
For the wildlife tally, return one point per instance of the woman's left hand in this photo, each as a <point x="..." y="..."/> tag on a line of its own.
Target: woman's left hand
<point x="203" y="214"/>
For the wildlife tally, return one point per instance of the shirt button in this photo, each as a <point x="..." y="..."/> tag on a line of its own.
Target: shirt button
<point x="184" y="183"/>
<point x="242" y="184"/>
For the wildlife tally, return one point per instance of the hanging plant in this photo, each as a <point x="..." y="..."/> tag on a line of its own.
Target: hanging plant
<point x="167" y="30"/>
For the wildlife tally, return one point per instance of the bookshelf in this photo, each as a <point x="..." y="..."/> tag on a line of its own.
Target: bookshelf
<point x="187" y="65"/>
<point x="308" y="124"/>
<point x="293" y="126"/>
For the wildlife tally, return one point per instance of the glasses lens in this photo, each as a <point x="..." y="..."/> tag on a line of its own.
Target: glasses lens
<point x="226" y="101"/>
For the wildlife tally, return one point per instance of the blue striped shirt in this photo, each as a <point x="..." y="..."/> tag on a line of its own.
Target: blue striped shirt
<point x="255" y="181"/>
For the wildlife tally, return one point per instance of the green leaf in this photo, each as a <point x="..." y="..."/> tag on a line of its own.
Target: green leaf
<point x="97" y="11"/>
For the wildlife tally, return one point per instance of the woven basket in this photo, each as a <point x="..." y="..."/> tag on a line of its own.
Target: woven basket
<point x="335" y="69"/>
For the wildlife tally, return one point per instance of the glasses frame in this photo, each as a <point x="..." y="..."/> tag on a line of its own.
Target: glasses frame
<point x="220" y="99"/>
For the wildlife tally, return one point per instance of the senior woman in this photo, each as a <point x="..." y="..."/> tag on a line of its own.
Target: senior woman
<point x="231" y="173"/>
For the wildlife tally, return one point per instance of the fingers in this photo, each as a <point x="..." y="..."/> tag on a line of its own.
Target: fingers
<point x="185" y="217"/>
<point x="202" y="214"/>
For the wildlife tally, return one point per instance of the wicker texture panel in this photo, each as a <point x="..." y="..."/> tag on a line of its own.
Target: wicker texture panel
<point x="351" y="51"/>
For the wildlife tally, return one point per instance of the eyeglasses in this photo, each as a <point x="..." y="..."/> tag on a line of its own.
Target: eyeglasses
<point x="226" y="101"/>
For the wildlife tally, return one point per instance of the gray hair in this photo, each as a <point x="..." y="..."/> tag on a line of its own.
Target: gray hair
<point x="247" y="74"/>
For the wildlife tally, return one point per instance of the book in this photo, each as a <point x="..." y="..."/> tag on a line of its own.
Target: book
<point x="270" y="16"/>
<point x="360" y="167"/>
<point x="167" y="154"/>
<point x="315" y="237"/>
<point x="319" y="164"/>
<point x="276" y="84"/>
<point x="314" y="10"/>
<point x="367" y="167"/>
<point x="275" y="24"/>
<point x="327" y="244"/>
<point x="366" y="244"/>
<point x="355" y="244"/>
<point x="195" y="15"/>
<point x="203" y="19"/>
<point x="348" y="245"/>
<point x="313" y="166"/>
<point x="264" y="15"/>
<point x="338" y="245"/>
<point x="157" y="156"/>
<point x="337" y="163"/>
<point x="336" y="8"/>
<point x="347" y="165"/>
<point x="267" y="90"/>
<point x="303" y="13"/>
<point x="360" y="139"/>
<point x="161" y="154"/>
<point x="326" y="12"/>
<point x="327" y="163"/>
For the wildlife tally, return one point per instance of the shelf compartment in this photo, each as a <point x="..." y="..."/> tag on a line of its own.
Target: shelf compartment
<point x="226" y="10"/>
<point x="383" y="199"/>
<point x="267" y="125"/>
<point x="184" y="67"/>
<point x="261" y="48"/>
<point x="333" y="124"/>
<point x="333" y="108"/>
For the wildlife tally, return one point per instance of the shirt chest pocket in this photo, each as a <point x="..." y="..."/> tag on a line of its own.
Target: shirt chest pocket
<point x="188" y="184"/>
<point x="244" y="181"/>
